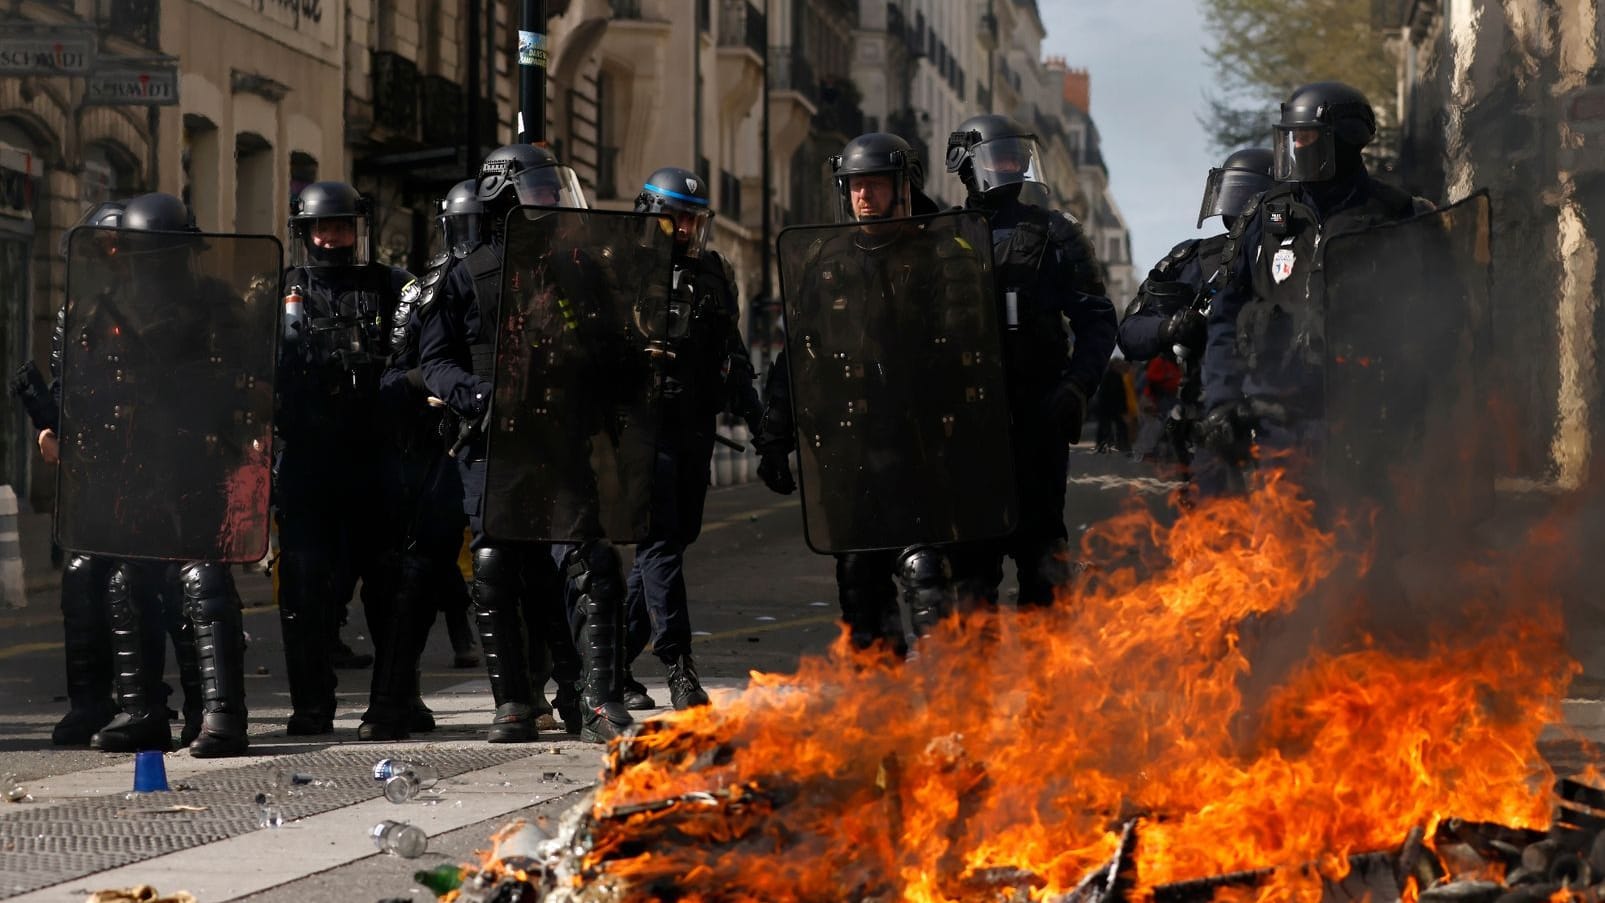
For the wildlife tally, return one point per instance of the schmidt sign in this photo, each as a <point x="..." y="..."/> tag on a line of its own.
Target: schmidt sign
<point x="131" y="86"/>
<point x="46" y="51"/>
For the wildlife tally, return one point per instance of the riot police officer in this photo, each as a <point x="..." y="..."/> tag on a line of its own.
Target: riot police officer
<point x="89" y="642"/>
<point x="517" y="591"/>
<point x="328" y="490"/>
<point x="877" y="306"/>
<point x="707" y="371"/>
<point x="1046" y="272"/>
<point x="1167" y="316"/>
<point x="1169" y="309"/>
<point x="1262" y="373"/>
<point x="155" y="251"/>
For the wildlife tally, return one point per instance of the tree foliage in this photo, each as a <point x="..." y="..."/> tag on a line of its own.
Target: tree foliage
<point x="1263" y="49"/>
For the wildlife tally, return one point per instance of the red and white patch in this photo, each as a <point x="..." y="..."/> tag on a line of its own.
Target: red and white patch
<point x="1282" y="264"/>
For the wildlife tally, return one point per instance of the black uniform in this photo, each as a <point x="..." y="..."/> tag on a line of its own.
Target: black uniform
<point x="710" y="373"/>
<point x="329" y="486"/>
<point x="100" y="656"/>
<point x="1044" y="260"/>
<point x="873" y="404"/>
<point x="1258" y="352"/>
<point x="135" y="589"/>
<point x="518" y="590"/>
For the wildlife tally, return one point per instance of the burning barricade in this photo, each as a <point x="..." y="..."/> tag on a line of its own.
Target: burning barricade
<point x="1125" y="745"/>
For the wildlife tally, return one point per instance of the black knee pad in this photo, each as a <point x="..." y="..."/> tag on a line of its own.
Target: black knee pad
<point x="926" y="582"/>
<point x="593" y="564"/>
<point x="495" y="565"/>
<point x="120" y="598"/>
<point x="208" y="591"/>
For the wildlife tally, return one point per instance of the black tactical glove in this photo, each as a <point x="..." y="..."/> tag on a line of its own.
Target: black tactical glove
<point x="1185" y="328"/>
<point x="1067" y="411"/>
<point x="415" y="378"/>
<point x="1227" y="432"/>
<point x="774" y="468"/>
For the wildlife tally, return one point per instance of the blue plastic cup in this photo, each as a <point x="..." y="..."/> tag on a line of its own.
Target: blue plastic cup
<point x="150" y="772"/>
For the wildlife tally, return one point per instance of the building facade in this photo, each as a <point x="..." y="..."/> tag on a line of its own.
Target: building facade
<point x="1500" y="96"/>
<point x="405" y="97"/>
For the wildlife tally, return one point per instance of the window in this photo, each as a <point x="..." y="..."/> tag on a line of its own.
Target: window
<point x="253" y="185"/>
<point x="303" y="172"/>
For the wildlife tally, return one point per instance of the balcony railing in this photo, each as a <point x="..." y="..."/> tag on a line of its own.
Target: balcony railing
<point x="136" y="20"/>
<point x="395" y="92"/>
<point x="839" y="109"/>
<point x="442" y="114"/>
<point x="790" y="71"/>
<point x="630" y="9"/>
<point x="742" y="24"/>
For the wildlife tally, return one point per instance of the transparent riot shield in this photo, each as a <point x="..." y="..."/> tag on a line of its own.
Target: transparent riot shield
<point x="583" y="313"/>
<point x="894" y="349"/>
<point x="167" y="394"/>
<point x="1407" y="339"/>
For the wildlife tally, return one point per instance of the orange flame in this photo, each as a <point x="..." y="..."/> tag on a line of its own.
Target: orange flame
<point x="1015" y="746"/>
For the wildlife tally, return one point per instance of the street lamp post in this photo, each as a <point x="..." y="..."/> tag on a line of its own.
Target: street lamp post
<point x="532" y="56"/>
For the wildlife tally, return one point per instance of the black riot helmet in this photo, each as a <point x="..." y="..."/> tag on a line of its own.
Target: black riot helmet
<point x="876" y="177"/>
<point x="156" y="238"/>
<point x="1232" y="184"/>
<point x="462" y="218"/>
<point x="1320" y="133"/>
<point x="681" y="195"/>
<point x="331" y="224"/>
<point x="526" y="175"/>
<point x="995" y="156"/>
<point x="108" y="215"/>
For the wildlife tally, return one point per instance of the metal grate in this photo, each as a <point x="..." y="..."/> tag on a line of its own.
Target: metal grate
<point x="45" y="845"/>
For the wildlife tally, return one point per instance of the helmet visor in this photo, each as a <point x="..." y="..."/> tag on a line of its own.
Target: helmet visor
<point x="462" y="233"/>
<point x="690" y="226"/>
<point x="1228" y="191"/>
<point x="1006" y="161"/>
<point x="867" y="196"/>
<point x="549" y="186"/>
<point x="329" y="241"/>
<point x="1303" y="153"/>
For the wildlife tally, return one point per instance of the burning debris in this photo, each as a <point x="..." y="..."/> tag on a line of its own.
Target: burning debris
<point x="1104" y="751"/>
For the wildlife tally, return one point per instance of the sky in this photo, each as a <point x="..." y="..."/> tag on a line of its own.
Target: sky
<point x="1149" y="75"/>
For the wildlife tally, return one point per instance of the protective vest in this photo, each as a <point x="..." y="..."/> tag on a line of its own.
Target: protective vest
<point x="1036" y="340"/>
<point x="1282" y="325"/>
<point x="702" y="360"/>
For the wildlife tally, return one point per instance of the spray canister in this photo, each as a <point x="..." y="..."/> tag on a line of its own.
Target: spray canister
<point x="294" y="314"/>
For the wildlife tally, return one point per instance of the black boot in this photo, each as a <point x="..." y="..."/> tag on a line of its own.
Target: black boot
<point x="87" y="635"/>
<point x="567" y="669"/>
<point x="182" y="633"/>
<point x="868" y="598"/>
<point x="635" y="695"/>
<point x="142" y="724"/>
<point x="398" y="642"/>
<point x="599" y="609"/>
<point x="685" y="688"/>
<point x="214" y="607"/>
<point x="306" y="625"/>
<point x="497" y="584"/>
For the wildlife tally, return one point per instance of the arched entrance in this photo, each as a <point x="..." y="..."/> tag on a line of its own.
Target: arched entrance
<point x="21" y="207"/>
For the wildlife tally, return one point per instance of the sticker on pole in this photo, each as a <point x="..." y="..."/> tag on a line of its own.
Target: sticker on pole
<point x="531" y="49"/>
